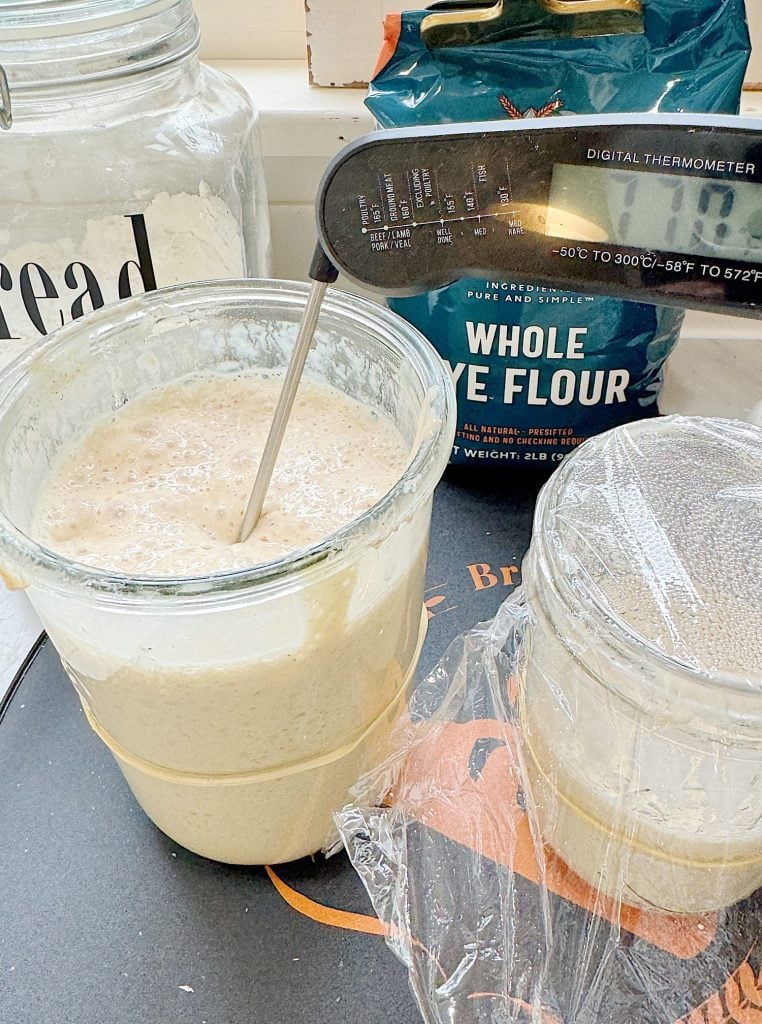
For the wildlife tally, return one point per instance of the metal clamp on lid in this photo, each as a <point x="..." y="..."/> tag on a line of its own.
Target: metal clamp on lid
<point x="459" y="23"/>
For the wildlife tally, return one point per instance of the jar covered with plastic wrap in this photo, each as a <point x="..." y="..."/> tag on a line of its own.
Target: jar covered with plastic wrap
<point x="641" y="704"/>
<point x="127" y="165"/>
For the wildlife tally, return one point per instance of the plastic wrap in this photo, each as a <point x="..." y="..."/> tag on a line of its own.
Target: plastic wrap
<point x="568" y="827"/>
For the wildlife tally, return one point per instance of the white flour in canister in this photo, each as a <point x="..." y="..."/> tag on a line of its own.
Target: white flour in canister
<point x="159" y="489"/>
<point x="164" y="240"/>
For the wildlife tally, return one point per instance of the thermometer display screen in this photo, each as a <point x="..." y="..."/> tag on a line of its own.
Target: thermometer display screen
<point x="652" y="211"/>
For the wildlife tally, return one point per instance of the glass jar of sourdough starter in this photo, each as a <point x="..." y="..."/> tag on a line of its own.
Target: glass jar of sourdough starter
<point x="127" y="165"/>
<point x="240" y="706"/>
<point x="641" y="704"/>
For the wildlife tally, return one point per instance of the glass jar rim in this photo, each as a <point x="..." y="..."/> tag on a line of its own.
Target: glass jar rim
<point x="29" y="559"/>
<point x="585" y="603"/>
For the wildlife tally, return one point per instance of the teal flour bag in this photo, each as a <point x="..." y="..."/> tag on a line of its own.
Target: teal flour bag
<point x="677" y="56"/>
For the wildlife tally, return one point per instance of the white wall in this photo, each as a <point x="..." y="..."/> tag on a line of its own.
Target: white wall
<point x="253" y="29"/>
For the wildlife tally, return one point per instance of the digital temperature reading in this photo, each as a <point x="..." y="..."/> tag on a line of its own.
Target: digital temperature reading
<point x="674" y="213"/>
<point x="654" y="208"/>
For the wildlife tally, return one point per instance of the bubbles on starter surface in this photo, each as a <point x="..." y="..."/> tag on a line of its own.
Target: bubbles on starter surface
<point x="160" y="486"/>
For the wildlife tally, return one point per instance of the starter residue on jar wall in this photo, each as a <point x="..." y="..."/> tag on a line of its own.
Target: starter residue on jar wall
<point x="641" y="708"/>
<point x="164" y="240"/>
<point x="160" y="487"/>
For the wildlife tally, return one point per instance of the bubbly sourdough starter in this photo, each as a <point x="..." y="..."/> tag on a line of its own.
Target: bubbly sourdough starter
<point x="160" y="487"/>
<point x="313" y="672"/>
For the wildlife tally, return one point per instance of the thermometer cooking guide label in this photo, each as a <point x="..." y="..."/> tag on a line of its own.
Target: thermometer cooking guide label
<point x="665" y="210"/>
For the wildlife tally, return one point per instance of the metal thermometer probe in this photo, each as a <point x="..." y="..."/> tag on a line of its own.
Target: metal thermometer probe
<point x="322" y="273"/>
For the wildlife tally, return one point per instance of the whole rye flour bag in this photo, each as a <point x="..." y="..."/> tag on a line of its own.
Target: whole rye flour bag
<point x="677" y="56"/>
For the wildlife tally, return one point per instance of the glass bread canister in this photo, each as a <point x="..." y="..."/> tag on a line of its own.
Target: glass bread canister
<point x="127" y="164"/>
<point x="641" y="700"/>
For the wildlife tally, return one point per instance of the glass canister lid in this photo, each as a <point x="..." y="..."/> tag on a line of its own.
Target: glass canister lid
<point x="50" y="42"/>
<point x="657" y="529"/>
<point x="25" y="18"/>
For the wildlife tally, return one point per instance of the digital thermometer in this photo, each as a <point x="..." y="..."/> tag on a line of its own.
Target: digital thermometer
<point x="662" y="208"/>
<point x="658" y="208"/>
